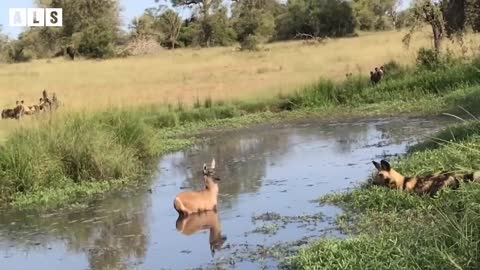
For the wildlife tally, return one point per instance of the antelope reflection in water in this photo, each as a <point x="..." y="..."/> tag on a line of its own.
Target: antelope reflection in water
<point x="208" y="220"/>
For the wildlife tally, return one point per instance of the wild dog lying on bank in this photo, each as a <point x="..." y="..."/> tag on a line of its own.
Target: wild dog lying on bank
<point x="189" y="202"/>
<point x="430" y="184"/>
<point x="209" y="220"/>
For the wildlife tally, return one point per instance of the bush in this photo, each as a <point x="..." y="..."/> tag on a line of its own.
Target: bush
<point x="250" y="43"/>
<point x="428" y="59"/>
<point x="394" y="70"/>
<point x="97" y="42"/>
<point x="332" y="18"/>
<point x="16" y="52"/>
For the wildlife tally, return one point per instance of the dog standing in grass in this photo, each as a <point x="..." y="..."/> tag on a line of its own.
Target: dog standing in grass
<point x="377" y="75"/>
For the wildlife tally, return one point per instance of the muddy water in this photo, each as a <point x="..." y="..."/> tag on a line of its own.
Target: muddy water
<point x="278" y="170"/>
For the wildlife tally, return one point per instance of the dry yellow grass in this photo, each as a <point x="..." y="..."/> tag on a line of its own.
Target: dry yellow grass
<point x="187" y="74"/>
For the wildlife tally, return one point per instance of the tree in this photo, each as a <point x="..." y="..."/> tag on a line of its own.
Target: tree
<point x="213" y="26"/>
<point x="292" y="21"/>
<point x="253" y="22"/>
<point x="318" y="18"/>
<point x="162" y="24"/>
<point x="375" y="14"/>
<point x="205" y="6"/>
<point x="188" y="33"/>
<point x="473" y="15"/>
<point x="454" y="14"/>
<point x="460" y="14"/>
<point x="96" y="42"/>
<point x="331" y="18"/>
<point x="84" y="18"/>
<point x="216" y="29"/>
<point x="143" y="26"/>
<point x="4" y="46"/>
<point x="394" y="12"/>
<point x="404" y="18"/>
<point x="425" y="11"/>
<point x="169" y="23"/>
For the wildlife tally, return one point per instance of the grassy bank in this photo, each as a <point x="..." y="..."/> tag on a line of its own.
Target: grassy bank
<point x="394" y="230"/>
<point x="61" y="158"/>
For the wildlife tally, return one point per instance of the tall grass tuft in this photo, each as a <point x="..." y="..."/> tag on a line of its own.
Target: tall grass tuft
<point x="75" y="148"/>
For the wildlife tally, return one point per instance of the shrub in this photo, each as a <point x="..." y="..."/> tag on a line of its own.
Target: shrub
<point x="97" y="42"/>
<point x="428" y="59"/>
<point x="18" y="53"/>
<point x="250" y="43"/>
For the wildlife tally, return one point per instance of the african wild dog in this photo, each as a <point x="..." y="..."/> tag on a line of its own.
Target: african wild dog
<point x="374" y="77"/>
<point x="377" y="75"/>
<point x="8" y="113"/>
<point x="382" y="70"/>
<point x="430" y="184"/>
<point x="18" y="110"/>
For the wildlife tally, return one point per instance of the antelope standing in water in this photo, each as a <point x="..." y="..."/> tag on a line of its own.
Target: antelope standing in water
<point x="189" y="202"/>
<point x="209" y="220"/>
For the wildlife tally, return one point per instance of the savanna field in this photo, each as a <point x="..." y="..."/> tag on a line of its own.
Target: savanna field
<point x="183" y="75"/>
<point x="118" y="115"/>
<point x="188" y="75"/>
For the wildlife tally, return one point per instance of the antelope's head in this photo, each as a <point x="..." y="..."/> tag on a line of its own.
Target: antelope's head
<point x="211" y="180"/>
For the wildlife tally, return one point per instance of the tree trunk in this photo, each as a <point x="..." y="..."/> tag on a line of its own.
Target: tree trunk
<point x="433" y="16"/>
<point x="437" y="36"/>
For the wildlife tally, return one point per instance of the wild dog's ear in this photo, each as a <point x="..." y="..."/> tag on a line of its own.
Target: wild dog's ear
<point x="205" y="171"/>
<point x="213" y="164"/>
<point x="377" y="165"/>
<point x="385" y="165"/>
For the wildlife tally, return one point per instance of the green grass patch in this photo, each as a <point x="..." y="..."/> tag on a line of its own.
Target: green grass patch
<point x="390" y="229"/>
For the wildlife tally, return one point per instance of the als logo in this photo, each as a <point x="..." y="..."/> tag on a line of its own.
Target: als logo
<point x="36" y="17"/>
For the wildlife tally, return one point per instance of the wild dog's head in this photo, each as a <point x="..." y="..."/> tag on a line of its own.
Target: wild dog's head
<point x="386" y="176"/>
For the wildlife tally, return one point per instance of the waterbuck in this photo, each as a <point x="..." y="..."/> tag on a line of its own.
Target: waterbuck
<point x="189" y="202"/>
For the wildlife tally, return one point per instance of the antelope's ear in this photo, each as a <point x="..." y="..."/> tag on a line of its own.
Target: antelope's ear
<point x="213" y="164"/>
<point x="377" y="165"/>
<point x="385" y="165"/>
<point x="205" y="168"/>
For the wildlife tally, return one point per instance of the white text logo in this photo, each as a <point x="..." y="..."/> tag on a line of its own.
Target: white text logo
<point x="36" y="17"/>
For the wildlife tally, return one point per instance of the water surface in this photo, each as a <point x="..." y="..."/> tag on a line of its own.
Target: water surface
<point x="277" y="169"/>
